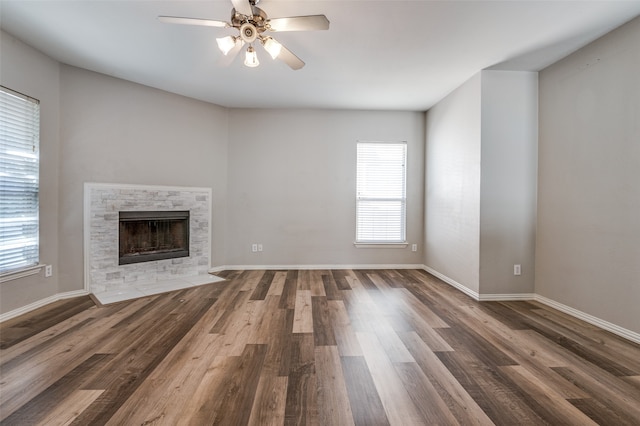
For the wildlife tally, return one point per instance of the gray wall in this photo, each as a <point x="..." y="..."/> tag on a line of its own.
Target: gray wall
<point x="588" y="232"/>
<point x="452" y="211"/>
<point x="114" y="131"/>
<point x="292" y="185"/>
<point x="508" y="181"/>
<point x="27" y="71"/>
<point x="481" y="183"/>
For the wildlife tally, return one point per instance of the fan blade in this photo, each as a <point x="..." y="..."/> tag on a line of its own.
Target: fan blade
<point x="192" y="21"/>
<point x="290" y="59"/>
<point x="243" y="7"/>
<point x="299" y="23"/>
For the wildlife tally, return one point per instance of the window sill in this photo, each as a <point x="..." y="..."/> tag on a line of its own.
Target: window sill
<point x="14" y="275"/>
<point x="381" y="245"/>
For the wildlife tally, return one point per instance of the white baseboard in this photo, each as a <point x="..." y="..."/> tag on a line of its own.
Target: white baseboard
<point x="42" y="302"/>
<point x="605" y="325"/>
<point x="310" y="267"/>
<point x="506" y="297"/>
<point x="466" y="290"/>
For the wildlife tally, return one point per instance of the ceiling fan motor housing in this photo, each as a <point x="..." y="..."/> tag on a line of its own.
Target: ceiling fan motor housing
<point x="248" y="32"/>
<point x="258" y="20"/>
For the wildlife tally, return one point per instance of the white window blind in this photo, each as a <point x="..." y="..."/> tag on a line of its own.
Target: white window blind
<point x="381" y="192"/>
<point x="19" y="180"/>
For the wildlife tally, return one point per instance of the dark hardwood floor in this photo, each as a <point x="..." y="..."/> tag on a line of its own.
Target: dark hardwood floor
<point x="341" y="347"/>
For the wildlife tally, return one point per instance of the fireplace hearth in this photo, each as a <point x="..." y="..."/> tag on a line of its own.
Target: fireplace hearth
<point x="145" y="236"/>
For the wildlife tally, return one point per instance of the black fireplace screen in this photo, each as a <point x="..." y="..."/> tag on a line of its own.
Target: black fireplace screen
<point x="153" y="235"/>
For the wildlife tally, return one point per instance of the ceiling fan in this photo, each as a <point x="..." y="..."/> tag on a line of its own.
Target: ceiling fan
<point x="252" y="24"/>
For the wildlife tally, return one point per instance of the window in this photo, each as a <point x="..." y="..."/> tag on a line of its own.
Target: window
<point x="381" y="193"/>
<point x="19" y="181"/>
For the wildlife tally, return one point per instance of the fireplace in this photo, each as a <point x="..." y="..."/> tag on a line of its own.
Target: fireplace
<point x="146" y="236"/>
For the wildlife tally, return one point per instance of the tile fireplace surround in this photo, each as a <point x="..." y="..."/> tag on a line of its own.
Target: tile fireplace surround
<point x="111" y="282"/>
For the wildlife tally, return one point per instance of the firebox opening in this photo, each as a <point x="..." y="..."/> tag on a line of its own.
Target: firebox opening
<point x="145" y="236"/>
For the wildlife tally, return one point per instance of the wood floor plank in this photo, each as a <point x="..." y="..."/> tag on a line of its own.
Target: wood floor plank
<point x="615" y="394"/>
<point x="331" y="288"/>
<point x="314" y="347"/>
<point x="333" y="401"/>
<point x="339" y="277"/>
<point x="461" y="405"/>
<point x="463" y="338"/>
<point x="37" y="408"/>
<point x="633" y="380"/>
<point x="63" y="333"/>
<point x="136" y="363"/>
<point x="366" y="407"/>
<point x="395" y="399"/>
<point x="170" y="386"/>
<point x="250" y="280"/>
<point x="270" y="401"/>
<point x="363" y="277"/>
<point x="548" y="403"/>
<point x="424" y="395"/>
<point x="281" y="349"/>
<point x="277" y="285"/>
<point x="392" y="278"/>
<point x="240" y="387"/>
<point x="524" y="346"/>
<point x="393" y="347"/>
<point x="301" y="407"/>
<point x="302" y="315"/>
<point x="317" y="283"/>
<point x="18" y="329"/>
<point x="605" y="344"/>
<point x="288" y="296"/>
<point x="345" y="336"/>
<point x="304" y="280"/>
<point x="574" y="343"/>
<point x="262" y="288"/>
<point x="69" y="409"/>
<point x="322" y="329"/>
<point x="267" y="321"/>
<point x="33" y="375"/>
<point x="491" y="392"/>
<point x="603" y="414"/>
<point x="204" y="403"/>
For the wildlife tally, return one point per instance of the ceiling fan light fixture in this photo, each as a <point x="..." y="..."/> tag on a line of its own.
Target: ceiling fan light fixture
<point x="225" y="44"/>
<point x="272" y="46"/>
<point x="251" y="22"/>
<point x="251" y="58"/>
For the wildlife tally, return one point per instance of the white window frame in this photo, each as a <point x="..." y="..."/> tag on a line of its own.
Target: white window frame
<point x="381" y="208"/>
<point x="19" y="185"/>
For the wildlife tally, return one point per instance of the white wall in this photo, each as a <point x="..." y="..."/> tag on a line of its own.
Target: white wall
<point x="28" y="71"/>
<point x="508" y="181"/>
<point x="114" y="131"/>
<point x="452" y="212"/>
<point x="588" y="232"/>
<point x="292" y="185"/>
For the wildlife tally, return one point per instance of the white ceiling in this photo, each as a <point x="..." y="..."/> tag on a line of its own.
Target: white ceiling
<point x="391" y="55"/>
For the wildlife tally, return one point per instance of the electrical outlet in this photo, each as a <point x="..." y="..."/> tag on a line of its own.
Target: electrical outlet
<point x="254" y="248"/>
<point x="259" y="247"/>
<point x="517" y="270"/>
<point x="48" y="270"/>
<point x="414" y="247"/>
